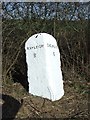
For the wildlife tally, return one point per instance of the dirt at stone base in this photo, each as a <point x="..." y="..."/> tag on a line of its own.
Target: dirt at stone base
<point x="18" y="104"/>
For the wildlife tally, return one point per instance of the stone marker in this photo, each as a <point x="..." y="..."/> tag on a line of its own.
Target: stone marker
<point x="44" y="67"/>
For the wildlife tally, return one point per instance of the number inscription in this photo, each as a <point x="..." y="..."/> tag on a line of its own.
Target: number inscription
<point x="34" y="54"/>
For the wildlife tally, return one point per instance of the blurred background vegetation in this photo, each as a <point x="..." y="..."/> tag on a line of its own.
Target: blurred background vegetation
<point x="67" y="22"/>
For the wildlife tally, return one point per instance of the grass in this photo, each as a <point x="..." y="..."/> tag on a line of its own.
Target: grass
<point x="73" y="104"/>
<point x="72" y="41"/>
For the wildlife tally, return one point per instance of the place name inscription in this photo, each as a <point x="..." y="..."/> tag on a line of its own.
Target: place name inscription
<point x="41" y="46"/>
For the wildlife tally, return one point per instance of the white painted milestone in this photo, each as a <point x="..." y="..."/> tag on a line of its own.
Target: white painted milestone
<point x="44" y="67"/>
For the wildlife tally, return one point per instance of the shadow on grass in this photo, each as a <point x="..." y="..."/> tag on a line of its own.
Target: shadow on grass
<point x="10" y="107"/>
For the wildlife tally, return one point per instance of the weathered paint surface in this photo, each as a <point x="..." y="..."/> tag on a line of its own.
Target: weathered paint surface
<point x="44" y="67"/>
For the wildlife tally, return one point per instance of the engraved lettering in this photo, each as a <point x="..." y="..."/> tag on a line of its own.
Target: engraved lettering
<point x="34" y="55"/>
<point x="53" y="53"/>
<point x="52" y="46"/>
<point x="35" y="47"/>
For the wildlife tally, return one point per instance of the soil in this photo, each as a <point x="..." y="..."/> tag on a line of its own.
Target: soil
<point x="17" y="103"/>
